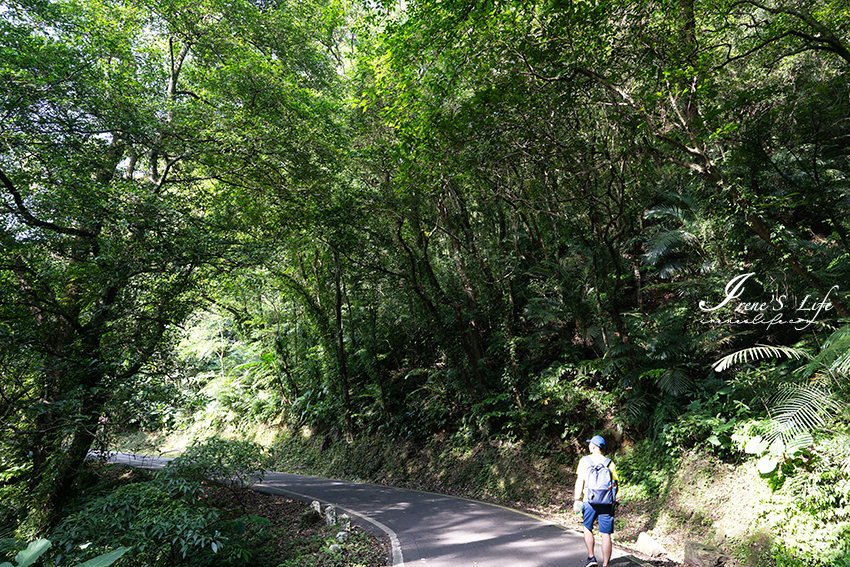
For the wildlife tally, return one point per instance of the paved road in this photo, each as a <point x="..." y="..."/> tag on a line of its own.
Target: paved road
<point x="433" y="530"/>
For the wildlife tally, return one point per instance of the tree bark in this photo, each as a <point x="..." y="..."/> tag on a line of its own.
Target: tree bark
<point x="340" y="350"/>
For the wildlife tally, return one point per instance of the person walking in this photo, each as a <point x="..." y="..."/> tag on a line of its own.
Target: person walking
<point x="595" y="497"/>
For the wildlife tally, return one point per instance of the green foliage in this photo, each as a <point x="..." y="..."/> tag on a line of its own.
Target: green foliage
<point x="29" y="555"/>
<point x="159" y="525"/>
<point x="227" y="379"/>
<point x="644" y="473"/>
<point x="798" y="411"/>
<point x="36" y="549"/>
<point x="484" y="220"/>
<point x="801" y="449"/>
<point x="562" y="407"/>
<point x="496" y="471"/>
<point x="126" y="126"/>
<point x="164" y="519"/>
<point x="233" y="462"/>
<point x="322" y="548"/>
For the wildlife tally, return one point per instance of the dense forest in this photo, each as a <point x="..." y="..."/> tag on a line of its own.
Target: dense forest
<point x="489" y="219"/>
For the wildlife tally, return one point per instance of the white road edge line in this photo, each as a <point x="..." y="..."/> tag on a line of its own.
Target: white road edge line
<point x="398" y="557"/>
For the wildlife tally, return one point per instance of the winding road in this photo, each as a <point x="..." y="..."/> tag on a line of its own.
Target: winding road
<point x="434" y="530"/>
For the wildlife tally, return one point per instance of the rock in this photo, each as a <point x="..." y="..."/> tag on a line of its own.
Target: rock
<point x="312" y="516"/>
<point x="330" y="515"/>
<point x="648" y="546"/>
<point x="342" y="537"/>
<point x="335" y="548"/>
<point x="344" y="522"/>
<point x="702" y="555"/>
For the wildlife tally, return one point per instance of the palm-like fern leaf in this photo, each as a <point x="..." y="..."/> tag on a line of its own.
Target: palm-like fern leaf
<point x="756" y="353"/>
<point x="666" y="211"/>
<point x="667" y="242"/>
<point x="800" y="409"/>
<point x="834" y="355"/>
<point x="674" y="381"/>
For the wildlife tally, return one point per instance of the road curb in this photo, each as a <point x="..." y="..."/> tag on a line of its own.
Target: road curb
<point x="395" y="546"/>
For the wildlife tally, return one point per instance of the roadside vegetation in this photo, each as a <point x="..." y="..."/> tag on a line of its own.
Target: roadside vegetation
<point x="432" y="243"/>
<point x="198" y="510"/>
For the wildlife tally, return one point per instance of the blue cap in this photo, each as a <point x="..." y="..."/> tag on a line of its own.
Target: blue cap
<point x="597" y="440"/>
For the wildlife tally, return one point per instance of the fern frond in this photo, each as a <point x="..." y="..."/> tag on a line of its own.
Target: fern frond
<point x="812" y="487"/>
<point x="622" y="350"/>
<point x="672" y="267"/>
<point x="714" y="339"/>
<point x="836" y="351"/>
<point x="841" y="365"/>
<point x="665" y="211"/>
<point x="756" y="353"/>
<point x="639" y="407"/>
<point x="842" y="448"/>
<point x="666" y="242"/>
<point x="674" y="381"/>
<point x="802" y="409"/>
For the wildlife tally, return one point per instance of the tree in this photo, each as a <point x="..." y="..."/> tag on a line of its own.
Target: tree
<point x="118" y="150"/>
<point x="567" y="123"/>
<point x="98" y="259"/>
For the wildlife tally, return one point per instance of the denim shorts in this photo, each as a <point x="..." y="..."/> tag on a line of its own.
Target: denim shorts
<point x="604" y="513"/>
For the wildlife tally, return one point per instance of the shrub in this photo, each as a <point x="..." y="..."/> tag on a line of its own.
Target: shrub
<point x="161" y="529"/>
<point x="166" y="519"/>
<point x="234" y="463"/>
<point x="36" y="549"/>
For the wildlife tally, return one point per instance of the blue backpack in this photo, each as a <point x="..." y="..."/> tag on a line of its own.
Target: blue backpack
<point x="599" y="486"/>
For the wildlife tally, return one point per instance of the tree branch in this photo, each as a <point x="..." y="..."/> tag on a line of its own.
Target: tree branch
<point x="20" y="210"/>
<point x="822" y="35"/>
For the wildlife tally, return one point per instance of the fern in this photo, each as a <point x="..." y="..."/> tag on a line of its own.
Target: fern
<point x="801" y="409"/>
<point x="841" y="365"/>
<point x="666" y="211"/>
<point x="672" y="267"/>
<point x="841" y="447"/>
<point x="818" y="487"/>
<point x="758" y="352"/>
<point x="674" y="381"/>
<point x="834" y="356"/>
<point x="797" y="410"/>
<point x="668" y="242"/>
<point x="713" y="339"/>
<point x="639" y="407"/>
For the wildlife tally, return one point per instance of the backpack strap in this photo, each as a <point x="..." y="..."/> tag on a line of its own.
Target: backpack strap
<point x="589" y="464"/>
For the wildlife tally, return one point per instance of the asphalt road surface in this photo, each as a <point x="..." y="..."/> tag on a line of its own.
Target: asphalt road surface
<point x="434" y="530"/>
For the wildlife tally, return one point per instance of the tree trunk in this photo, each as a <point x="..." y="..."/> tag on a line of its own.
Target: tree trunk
<point x="57" y="487"/>
<point x="340" y="351"/>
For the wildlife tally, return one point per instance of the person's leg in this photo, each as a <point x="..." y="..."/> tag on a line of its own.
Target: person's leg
<point x="606" y="528"/>
<point x="590" y="515"/>
<point x="588" y="541"/>
<point x="607" y="547"/>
